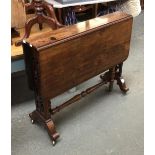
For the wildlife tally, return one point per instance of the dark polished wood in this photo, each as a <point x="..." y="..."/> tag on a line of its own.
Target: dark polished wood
<point x="78" y="97"/>
<point x="40" y="6"/>
<point x="60" y="60"/>
<point x="48" y="124"/>
<point x="14" y="33"/>
<point x="142" y="4"/>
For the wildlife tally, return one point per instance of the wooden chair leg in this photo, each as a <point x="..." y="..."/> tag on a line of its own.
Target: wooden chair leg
<point x="50" y="10"/>
<point x="28" y="26"/>
<point x="49" y="21"/>
<point x="40" y="26"/>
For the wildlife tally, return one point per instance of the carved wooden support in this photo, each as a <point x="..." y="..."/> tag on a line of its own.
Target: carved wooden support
<point x="40" y="6"/>
<point x="112" y="78"/>
<point x="118" y="77"/>
<point x="77" y="97"/>
<point x="43" y="106"/>
<point x="43" y="110"/>
<point x="111" y="75"/>
<point x="48" y="124"/>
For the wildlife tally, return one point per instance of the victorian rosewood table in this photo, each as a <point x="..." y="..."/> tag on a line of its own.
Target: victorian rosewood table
<point x="61" y="59"/>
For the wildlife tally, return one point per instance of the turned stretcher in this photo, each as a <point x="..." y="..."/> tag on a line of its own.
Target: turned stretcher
<point x="59" y="60"/>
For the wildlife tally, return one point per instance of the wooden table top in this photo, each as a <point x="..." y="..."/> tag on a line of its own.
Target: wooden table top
<point x="17" y="52"/>
<point x="69" y="32"/>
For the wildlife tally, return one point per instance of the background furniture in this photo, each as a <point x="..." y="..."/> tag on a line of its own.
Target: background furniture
<point x="40" y="6"/>
<point x="18" y="17"/>
<point x="78" y="7"/>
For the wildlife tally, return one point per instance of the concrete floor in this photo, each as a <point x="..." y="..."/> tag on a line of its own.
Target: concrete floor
<point x="100" y="124"/>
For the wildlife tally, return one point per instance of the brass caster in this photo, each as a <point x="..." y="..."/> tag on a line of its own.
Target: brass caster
<point x="125" y="90"/>
<point x="32" y="121"/>
<point x="53" y="142"/>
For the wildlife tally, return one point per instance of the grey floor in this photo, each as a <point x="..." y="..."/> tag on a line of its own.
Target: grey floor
<point x="100" y="124"/>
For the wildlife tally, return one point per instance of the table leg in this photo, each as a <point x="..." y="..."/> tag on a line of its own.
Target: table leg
<point x="116" y="74"/>
<point x="112" y="78"/>
<point x="95" y="10"/>
<point x="60" y="15"/>
<point x="48" y="124"/>
<point x="120" y="80"/>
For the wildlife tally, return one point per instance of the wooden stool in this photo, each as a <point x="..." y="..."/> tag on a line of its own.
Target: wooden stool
<point x="40" y="6"/>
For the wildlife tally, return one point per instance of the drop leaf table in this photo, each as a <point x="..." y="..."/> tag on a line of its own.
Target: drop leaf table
<point x="59" y="60"/>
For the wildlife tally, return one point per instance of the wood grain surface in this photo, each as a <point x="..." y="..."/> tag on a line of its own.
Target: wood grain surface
<point x="80" y="51"/>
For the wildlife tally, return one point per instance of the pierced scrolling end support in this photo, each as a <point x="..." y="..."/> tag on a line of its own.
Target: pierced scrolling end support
<point x="43" y="105"/>
<point x="35" y="116"/>
<point x="43" y="110"/>
<point x="116" y="74"/>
